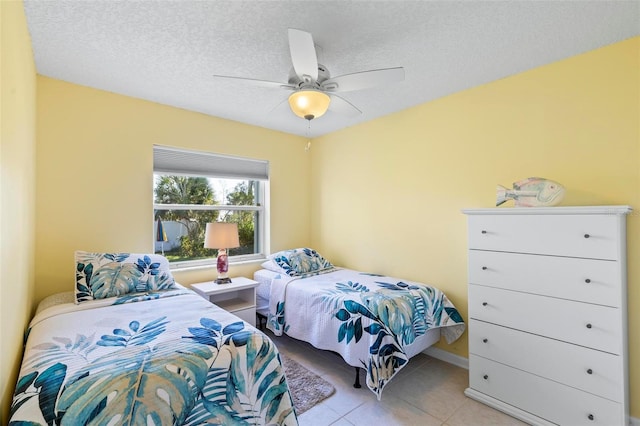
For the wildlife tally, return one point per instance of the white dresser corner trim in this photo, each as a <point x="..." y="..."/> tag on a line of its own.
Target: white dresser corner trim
<point x="506" y="408"/>
<point x="548" y="312"/>
<point x="580" y="210"/>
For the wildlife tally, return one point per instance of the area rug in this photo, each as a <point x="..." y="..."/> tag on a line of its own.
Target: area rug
<point x="306" y="388"/>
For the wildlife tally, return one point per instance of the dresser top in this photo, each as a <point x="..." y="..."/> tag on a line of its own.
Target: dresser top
<point x="575" y="210"/>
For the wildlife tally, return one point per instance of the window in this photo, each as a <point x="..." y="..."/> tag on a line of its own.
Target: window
<point x="193" y="188"/>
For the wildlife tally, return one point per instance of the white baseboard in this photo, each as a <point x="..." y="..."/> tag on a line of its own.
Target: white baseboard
<point x="445" y="356"/>
<point x="633" y="421"/>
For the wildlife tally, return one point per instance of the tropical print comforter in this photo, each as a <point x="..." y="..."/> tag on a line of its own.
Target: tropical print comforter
<point x="166" y="358"/>
<point x="370" y="320"/>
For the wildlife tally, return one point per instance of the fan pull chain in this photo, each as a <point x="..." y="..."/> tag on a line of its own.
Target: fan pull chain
<point x="308" y="147"/>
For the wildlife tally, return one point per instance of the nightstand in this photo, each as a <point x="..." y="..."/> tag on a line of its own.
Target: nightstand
<point x="237" y="297"/>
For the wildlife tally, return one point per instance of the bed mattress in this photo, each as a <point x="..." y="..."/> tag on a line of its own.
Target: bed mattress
<point x="264" y="277"/>
<point x="143" y="358"/>
<point x="373" y="321"/>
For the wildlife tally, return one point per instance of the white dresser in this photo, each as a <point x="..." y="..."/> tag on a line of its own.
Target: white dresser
<point x="548" y="313"/>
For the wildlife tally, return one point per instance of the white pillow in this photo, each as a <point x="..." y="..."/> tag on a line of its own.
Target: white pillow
<point x="270" y="265"/>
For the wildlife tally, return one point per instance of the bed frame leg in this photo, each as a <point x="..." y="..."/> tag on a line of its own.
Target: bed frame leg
<point x="357" y="383"/>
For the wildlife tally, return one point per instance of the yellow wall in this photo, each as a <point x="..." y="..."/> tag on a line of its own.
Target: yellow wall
<point x="387" y="194"/>
<point x="17" y="192"/>
<point x="95" y="176"/>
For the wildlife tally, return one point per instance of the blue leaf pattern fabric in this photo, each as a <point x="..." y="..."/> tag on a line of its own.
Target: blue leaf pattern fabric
<point x="154" y="360"/>
<point x="369" y="319"/>
<point x="105" y="275"/>
<point x="301" y="262"/>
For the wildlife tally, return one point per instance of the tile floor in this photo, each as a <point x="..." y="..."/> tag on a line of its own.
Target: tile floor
<point x="427" y="392"/>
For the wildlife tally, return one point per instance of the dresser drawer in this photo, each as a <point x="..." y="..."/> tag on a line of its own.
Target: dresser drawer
<point x="584" y="324"/>
<point x="550" y="400"/>
<point x="585" y="280"/>
<point x="599" y="373"/>
<point x="594" y="237"/>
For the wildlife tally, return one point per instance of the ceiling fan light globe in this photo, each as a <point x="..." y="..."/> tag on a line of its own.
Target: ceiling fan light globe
<point x="305" y="103"/>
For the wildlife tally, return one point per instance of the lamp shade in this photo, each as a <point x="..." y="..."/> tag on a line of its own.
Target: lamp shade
<point x="309" y="104"/>
<point x="221" y="235"/>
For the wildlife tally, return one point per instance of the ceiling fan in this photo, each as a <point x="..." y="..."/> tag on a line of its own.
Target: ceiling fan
<point x="314" y="90"/>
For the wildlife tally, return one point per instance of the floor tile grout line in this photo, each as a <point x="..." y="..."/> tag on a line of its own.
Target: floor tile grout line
<point x="319" y="358"/>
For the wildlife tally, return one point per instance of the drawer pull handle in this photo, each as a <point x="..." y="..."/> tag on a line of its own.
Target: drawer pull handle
<point x="589" y="371"/>
<point x="590" y="417"/>
<point x="589" y="325"/>
<point x="484" y="232"/>
<point x="485" y="340"/>
<point x="484" y="268"/>
<point x="485" y="377"/>
<point x="587" y="281"/>
<point x="484" y="303"/>
<point x="587" y="235"/>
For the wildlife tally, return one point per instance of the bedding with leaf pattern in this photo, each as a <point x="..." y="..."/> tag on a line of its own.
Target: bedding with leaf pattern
<point x="164" y="358"/>
<point x="373" y="321"/>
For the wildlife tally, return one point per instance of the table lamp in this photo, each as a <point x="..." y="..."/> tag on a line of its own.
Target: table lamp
<point x="222" y="236"/>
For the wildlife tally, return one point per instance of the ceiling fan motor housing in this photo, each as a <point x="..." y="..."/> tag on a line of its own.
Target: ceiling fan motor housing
<point x="323" y="74"/>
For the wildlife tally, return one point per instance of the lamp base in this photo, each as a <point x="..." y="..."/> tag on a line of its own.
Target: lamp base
<point x="222" y="265"/>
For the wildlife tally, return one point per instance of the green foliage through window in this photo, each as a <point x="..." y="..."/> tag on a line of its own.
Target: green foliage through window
<point x="184" y="219"/>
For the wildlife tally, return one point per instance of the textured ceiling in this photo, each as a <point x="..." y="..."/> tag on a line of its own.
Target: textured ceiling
<point x="168" y="51"/>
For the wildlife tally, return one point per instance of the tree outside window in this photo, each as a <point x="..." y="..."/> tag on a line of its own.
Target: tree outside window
<point x="185" y="204"/>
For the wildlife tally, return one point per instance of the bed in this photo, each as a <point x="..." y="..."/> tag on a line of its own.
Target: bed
<point x="161" y="356"/>
<point x="374" y="322"/>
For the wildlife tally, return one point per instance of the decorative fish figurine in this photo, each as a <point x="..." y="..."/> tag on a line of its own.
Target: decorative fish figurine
<point x="532" y="192"/>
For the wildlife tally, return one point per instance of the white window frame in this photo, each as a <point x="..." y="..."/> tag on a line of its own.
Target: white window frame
<point x="257" y="171"/>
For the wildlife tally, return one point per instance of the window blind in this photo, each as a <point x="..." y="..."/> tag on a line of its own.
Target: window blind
<point x="177" y="161"/>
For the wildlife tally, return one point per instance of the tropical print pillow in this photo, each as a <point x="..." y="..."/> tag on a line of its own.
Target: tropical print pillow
<point x="301" y="261"/>
<point x="103" y="275"/>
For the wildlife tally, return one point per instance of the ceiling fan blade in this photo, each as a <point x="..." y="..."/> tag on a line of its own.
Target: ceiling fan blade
<point x="253" y="81"/>
<point x="342" y="106"/>
<point x="303" y="55"/>
<point x="363" y="80"/>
